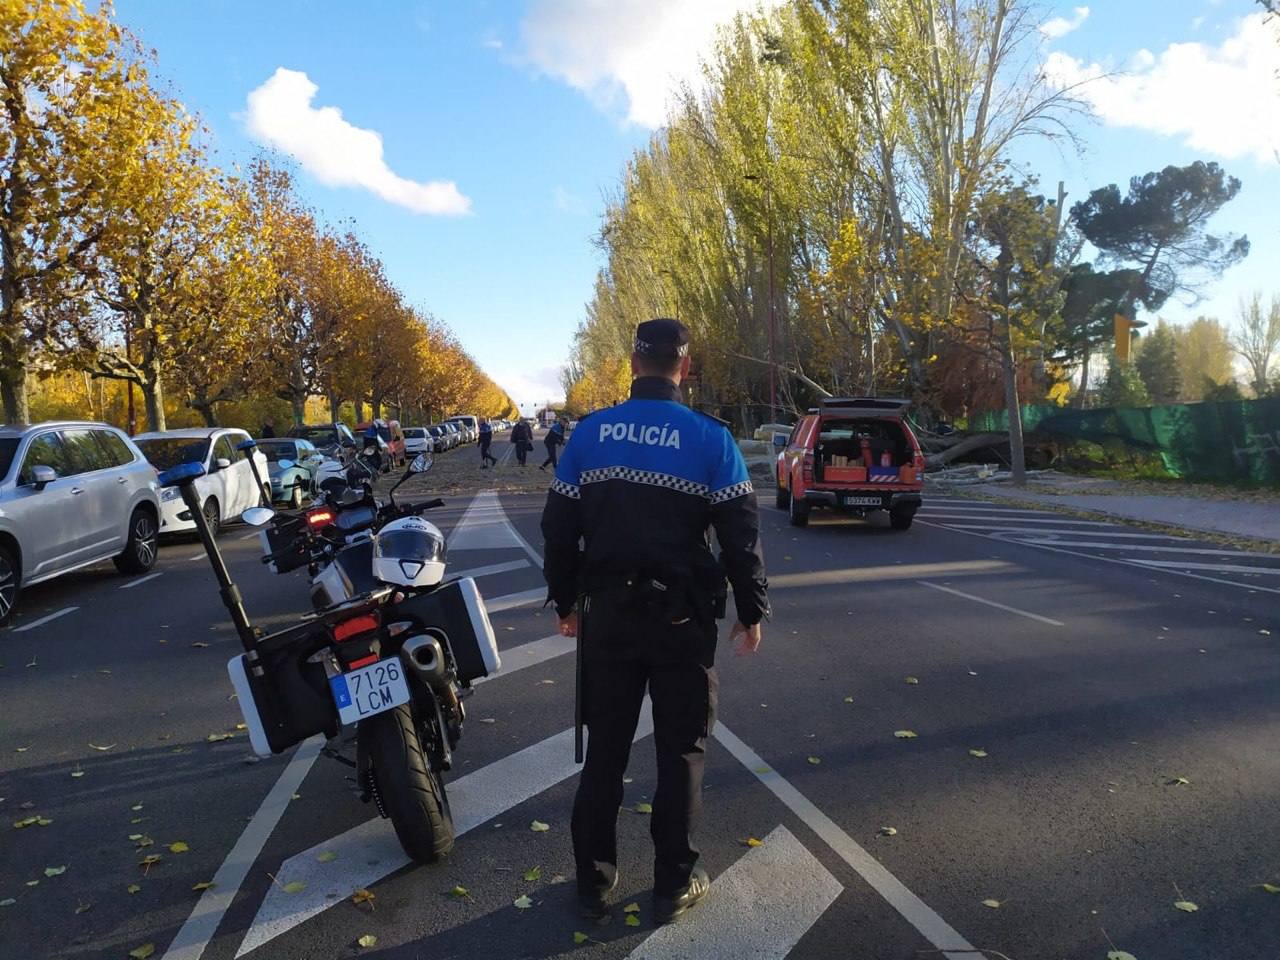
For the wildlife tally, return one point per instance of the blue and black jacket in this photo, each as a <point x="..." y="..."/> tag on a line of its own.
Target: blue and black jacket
<point x="640" y="484"/>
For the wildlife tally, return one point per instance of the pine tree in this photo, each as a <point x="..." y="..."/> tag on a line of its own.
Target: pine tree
<point x="1123" y="386"/>
<point x="1157" y="364"/>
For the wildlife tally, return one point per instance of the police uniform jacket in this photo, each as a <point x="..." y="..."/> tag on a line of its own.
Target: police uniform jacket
<point x="640" y="484"/>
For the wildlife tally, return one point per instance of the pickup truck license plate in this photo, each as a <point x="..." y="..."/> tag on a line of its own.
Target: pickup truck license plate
<point x="861" y="501"/>
<point x="369" y="690"/>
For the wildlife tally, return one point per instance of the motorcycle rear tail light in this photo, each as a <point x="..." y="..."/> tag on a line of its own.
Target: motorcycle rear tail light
<point x="319" y="517"/>
<point x="355" y="626"/>
<point x="806" y="467"/>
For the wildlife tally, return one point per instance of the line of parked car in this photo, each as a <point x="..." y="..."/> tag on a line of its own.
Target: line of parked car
<point x="76" y="493"/>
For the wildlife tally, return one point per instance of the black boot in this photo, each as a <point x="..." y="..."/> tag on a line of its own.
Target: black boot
<point x="593" y="904"/>
<point x="667" y="908"/>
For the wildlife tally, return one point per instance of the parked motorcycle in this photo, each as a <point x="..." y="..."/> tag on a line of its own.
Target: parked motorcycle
<point x="395" y="660"/>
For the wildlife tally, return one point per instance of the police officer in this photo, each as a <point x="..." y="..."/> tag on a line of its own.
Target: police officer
<point x="639" y="485"/>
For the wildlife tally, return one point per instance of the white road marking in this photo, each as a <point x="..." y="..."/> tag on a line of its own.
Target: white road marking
<point x="1100" y="545"/>
<point x="133" y="583"/>
<point x="491" y="569"/>
<point x="512" y="600"/>
<point x="759" y="908"/>
<point x="1218" y="567"/>
<point x="251" y="536"/>
<point x="976" y="517"/>
<point x="991" y="603"/>
<point x="370" y="851"/>
<point x="483" y="526"/>
<point x="45" y="619"/>
<point x="531" y="654"/>
<point x="1140" y="564"/>
<point x="200" y="927"/>
<point x="914" y="910"/>
<point x="199" y="556"/>
<point x="905" y="571"/>
<point x="1043" y="532"/>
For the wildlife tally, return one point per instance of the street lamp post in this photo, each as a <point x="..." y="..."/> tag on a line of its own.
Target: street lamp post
<point x="773" y="316"/>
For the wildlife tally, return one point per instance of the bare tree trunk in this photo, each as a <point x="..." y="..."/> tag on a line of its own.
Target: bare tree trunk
<point x="13" y="392"/>
<point x="1017" y="455"/>
<point x="1083" y="393"/>
<point x="207" y="413"/>
<point x="335" y="407"/>
<point x="299" y="404"/>
<point x="359" y="404"/>
<point x="153" y="398"/>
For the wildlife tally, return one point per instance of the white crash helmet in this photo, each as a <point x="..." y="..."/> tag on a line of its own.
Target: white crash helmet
<point x="409" y="552"/>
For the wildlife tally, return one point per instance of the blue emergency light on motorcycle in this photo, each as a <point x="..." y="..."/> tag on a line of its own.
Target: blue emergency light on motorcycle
<point x="182" y="473"/>
<point x="247" y="444"/>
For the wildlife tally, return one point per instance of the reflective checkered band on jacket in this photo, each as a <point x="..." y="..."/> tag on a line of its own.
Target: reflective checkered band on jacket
<point x="566" y="489"/>
<point x="632" y="475"/>
<point x="729" y="493"/>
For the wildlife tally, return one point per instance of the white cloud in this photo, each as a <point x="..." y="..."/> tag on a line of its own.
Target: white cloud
<point x="334" y="151"/>
<point x="491" y="43"/>
<point x="1223" y="100"/>
<point x="1061" y="26"/>
<point x="627" y="55"/>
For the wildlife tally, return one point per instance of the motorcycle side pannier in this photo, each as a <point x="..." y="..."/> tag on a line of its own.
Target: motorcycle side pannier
<point x="284" y="533"/>
<point x="456" y="610"/>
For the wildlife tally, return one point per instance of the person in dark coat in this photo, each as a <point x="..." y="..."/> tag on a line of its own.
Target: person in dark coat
<point x="268" y="430"/>
<point x="485" y="440"/>
<point x="522" y="437"/>
<point x="554" y="438"/>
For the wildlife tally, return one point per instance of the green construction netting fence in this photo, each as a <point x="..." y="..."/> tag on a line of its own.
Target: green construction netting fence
<point x="1236" y="441"/>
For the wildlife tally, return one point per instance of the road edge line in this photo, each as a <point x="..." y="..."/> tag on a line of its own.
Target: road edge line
<point x="991" y="603"/>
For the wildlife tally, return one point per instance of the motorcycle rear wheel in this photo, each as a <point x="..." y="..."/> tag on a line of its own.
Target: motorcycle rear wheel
<point x="412" y="793"/>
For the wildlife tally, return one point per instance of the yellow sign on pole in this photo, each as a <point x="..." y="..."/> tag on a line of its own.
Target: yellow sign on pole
<point x="1124" y="337"/>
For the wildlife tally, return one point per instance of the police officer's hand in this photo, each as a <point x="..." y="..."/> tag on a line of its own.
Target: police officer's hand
<point x="745" y="640"/>
<point x="569" y="625"/>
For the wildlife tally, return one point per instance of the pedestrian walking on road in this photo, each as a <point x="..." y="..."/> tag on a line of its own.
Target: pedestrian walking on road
<point x="554" y="438"/>
<point x="522" y="438"/>
<point x="639" y="484"/>
<point x="486" y="440"/>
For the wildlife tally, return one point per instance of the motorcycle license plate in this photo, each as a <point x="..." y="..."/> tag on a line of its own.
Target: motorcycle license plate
<point x="861" y="501"/>
<point x="369" y="690"/>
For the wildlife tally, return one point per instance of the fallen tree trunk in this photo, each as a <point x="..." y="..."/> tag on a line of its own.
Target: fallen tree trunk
<point x="967" y="445"/>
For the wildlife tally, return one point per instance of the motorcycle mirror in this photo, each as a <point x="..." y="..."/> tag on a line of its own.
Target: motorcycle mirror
<point x="182" y="473"/>
<point x="222" y="463"/>
<point x="258" y="516"/>
<point x="422" y="463"/>
<point x="285" y="464"/>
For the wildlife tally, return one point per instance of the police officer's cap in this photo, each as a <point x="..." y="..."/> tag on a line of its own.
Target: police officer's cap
<point x="663" y="338"/>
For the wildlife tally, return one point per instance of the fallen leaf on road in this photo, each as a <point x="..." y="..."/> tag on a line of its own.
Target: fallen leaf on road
<point x="33" y="883"/>
<point x="178" y="847"/>
<point x="142" y="952"/>
<point x="631" y="908"/>
<point x="539" y="827"/>
<point x="627" y="780"/>
<point x="1270" y="887"/>
<point x="1176" y="781"/>
<point x="294" y="886"/>
<point x="135" y="837"/>
<point x="144" y="841"/>
<point x="977" y="752"/>
<point x="632" y="920"/>
<point x="460" y="891"/>
<point x="815" y="760"/>
<point x="109" y="746"/>
<point x="326" y="856"/>
<point x="1186" y="906"/>
<point x="149" y="861"/>
<point x="1120" y="955"/>
<point x="368" y="940"/>
<point x="488" y="720"/>
<point x="888" y="831"/>
<point x="533" y="875"/>
<point x="363" y="896"/>
<point x="522" y="902"/>
<point x="216" y="738"/>
<point x="848" y="699"/>
<point x="136" y="807"/>
<point x="132" y="888"/>
<point x="83" y="908"/>
<point x="905" y="734"/>
<point x="7" y="902"/>
<point x="751" y="842"/>
<point x="579" y="937"/>
<point x="1265" y="633"/>
<point x="199" y="644"/>
<point x="202" y="885"/>
<point x="77" y="773"/>
<point x="54" y="871"/>
<point x="993" y="904"/>
<point x="911" y="681"/>
<point x="643" y="807"/>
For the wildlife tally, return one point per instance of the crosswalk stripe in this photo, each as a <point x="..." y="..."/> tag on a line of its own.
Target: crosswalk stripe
<point x="483" y="526"/>
<point x="491" y="569"/>
<point x="370" y="851"/>
<point x="758" y="909"/>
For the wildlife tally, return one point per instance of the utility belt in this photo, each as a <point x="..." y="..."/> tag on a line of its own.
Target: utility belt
<point x="674" y="595"/>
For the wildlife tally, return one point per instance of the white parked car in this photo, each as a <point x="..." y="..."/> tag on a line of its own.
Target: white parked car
<point x="416" y="441"/>
<point x="71" y="494"/>
<point x="228" y="487"/>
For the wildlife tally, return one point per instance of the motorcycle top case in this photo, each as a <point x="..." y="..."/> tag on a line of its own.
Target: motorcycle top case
<point x="456" y="611"/>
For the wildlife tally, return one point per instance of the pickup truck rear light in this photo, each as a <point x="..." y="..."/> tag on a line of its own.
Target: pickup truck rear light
<point x="806" y="468"/>
<point x="919" y="465"/>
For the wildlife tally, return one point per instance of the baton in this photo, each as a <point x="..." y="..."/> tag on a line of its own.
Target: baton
<point x="577" y="685"/>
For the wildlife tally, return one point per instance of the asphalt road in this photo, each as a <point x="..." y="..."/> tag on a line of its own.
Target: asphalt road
<point x="1122" y="692"/>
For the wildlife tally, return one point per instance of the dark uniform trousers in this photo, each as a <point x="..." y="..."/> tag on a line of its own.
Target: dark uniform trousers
<point x="624" y="655"/>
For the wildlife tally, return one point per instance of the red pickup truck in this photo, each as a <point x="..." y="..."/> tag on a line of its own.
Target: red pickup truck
<point x="853" y="454"/>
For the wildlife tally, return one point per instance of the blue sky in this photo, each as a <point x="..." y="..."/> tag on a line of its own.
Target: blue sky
<point x="530" y="108"/>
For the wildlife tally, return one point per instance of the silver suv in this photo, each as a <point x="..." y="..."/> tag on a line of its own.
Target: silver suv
<point x="72" y="494"/>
